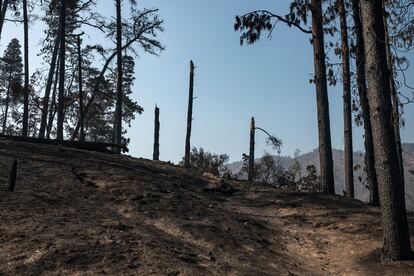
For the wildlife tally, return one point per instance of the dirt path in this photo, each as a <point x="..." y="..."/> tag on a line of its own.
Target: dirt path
<point x="76" y="212"/>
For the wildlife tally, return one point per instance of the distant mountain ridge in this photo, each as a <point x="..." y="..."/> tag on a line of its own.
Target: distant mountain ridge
<point x="361" y="192"/>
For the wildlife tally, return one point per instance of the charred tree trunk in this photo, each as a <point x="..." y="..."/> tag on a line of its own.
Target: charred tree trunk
<point x="349" y="161"/>
<point x="395" y="116"/>
<point x="26" y="71"/>
<point x="396" y="239"/>
<point x="189" y="117"/>
<point x="325" y="147"/>
<point x="3" y="15"/>
<point x="61" y="95"/>
<point x="48" y="88"/>
<point x="251" y="171"/>
<point x="156" y="155"/>
<point x="119" y="91"/>
<point x="81" y="114"/>
<point x="13" y="176"/>
<point x="395" y="101"/>
<point x="363" y="99"/>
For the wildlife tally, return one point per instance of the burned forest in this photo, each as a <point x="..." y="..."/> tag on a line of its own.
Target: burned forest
<point x="206" y="137"/>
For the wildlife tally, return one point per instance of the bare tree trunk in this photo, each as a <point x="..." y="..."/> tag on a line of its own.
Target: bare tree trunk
<point x="119" y="90"/>
<point x="49" y="87"/>
<point x="6" y="111"/>
<point x="396" y="239"/>
<point x="81" y="114"/>
<point x="325" y="147"/>
<point x="61" y="95"/>
<point x="349" y="162"/>
<point x="251" y="171"/>
<point x="363" y="99"/>
<point x="26" y="71"/>
<point x="53" y="109"/>
<point x="189" y="118"/>
<point x="3" y="15"/>
<point x="156" y="155"/>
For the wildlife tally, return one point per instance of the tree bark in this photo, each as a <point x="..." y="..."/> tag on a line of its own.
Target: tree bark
<point x="395" y="101"/>
<point x="61" y="95"/>
<point x="156" y="155"/>
<point x="325" y="147"/>
<point x="81" y="114"/>
<point x="396" y="239"/>
<point x="119" y="90"/>
<point x="348" y="149"/>
<point x="251" y="170"/>
<point x="363" y="99"/>
<point x="48" y="88"/>
<point x="6" y="111"/>
<point x="189" y="117"/>
<point x="3" y="15"/>
<point x="26" y="71"/>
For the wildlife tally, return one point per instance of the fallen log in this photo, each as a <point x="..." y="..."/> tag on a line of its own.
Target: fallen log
<point x="91" y="146"/>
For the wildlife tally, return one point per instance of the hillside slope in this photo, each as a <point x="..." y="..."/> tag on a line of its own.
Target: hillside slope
<point x="77" y="212"/>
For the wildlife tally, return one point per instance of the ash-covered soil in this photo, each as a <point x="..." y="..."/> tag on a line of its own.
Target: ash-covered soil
<point x="85" y="213"/>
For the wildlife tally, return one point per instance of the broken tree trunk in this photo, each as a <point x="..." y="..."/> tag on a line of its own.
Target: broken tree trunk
<point x="250" y="175"/>
<point x="13" y="176"/>
<point x="156" y="155"/>
<point x="189" y="117"/>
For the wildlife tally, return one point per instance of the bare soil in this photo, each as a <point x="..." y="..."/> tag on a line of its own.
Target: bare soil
<point x="76" y="212"/>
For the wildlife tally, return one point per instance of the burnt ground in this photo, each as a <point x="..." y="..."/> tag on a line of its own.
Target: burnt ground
<point x="78" y="212"/>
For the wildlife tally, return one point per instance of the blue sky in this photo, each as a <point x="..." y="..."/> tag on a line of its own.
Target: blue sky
<point x="268" y="80"/>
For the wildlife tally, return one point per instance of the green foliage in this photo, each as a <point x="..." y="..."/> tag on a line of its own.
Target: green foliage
<point x="252" y="24"/>
<point x="205" y="161"/>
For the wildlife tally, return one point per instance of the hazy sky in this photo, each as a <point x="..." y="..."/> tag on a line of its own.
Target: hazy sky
<point x="268" y="80"/>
